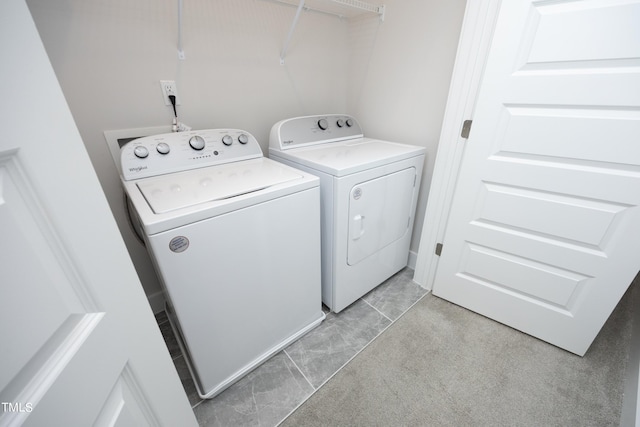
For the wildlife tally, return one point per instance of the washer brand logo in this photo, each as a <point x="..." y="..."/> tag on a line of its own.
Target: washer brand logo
<point x="137" y="169"/>
<point x="288" y="141"/>
<point x="179" y="244"/>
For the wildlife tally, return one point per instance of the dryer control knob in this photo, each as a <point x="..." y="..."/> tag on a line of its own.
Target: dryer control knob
<point x="323" y="124"/>
<point x="227" y="140"/>
<point x="243" y="139"/>
<point x="163" y="148"/>
<point x="196" y="142"/>
<point x="141" y="152"/>
<point x="340" y="123"/>
<point x="349" y="122"/>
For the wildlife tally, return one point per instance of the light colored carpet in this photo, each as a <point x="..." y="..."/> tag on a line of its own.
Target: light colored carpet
<point x="441" y="365"/>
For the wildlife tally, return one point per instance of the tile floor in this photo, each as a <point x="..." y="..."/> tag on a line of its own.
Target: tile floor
<point x="267" y="395"/>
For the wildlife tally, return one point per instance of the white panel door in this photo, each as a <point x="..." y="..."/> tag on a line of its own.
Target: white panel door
<point x="80" y="345"/>
<point x="544" y="230"/>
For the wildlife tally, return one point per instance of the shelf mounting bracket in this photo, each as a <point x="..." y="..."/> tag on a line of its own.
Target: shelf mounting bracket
<point x="285" y="46"/>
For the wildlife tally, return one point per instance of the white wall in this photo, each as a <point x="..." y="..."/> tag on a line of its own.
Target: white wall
<point x="400" y="74"/>
<point x="109" y="58"/>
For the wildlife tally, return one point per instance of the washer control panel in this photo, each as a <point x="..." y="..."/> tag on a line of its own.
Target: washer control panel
<point x="310" y="130"/>
<point x="176" y="152"/>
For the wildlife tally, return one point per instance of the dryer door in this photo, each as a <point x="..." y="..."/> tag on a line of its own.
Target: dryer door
<point x="379" y="213"/>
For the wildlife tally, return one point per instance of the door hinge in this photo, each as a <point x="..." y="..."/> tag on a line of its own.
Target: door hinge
<point x="466" y="129"/>
<point x="438" y="249"/>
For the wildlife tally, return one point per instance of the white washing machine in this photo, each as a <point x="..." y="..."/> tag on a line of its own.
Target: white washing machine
<point x="369" y="190"/>
<point x="235" y="239"/>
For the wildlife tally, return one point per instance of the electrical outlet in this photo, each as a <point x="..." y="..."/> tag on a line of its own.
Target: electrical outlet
<point x="169" y="88"/>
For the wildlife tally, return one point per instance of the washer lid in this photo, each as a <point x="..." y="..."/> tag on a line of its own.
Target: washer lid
<point x="179" y="190"/>
<point x="347" y="157"/>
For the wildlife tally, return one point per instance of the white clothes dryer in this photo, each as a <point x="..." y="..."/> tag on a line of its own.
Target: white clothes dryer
<point x="369" y="191"/>
<point x="235" y="239"/>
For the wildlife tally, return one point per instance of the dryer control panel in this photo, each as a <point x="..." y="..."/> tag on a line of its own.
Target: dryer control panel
<point x="311" y="130"/>
<point x="176" y="152"/>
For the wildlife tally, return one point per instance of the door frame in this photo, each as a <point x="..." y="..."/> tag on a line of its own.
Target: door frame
<point x="473" y="49"/>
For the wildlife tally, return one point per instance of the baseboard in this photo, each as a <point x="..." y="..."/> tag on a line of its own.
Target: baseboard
<point x="413" y="258"/>
<point x="156" y="301"/>
<point x="630" y="414"/>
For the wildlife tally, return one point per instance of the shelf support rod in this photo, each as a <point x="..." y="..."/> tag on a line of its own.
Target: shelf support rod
<point x="180" y="50"/>
<point x="293" y="27"/>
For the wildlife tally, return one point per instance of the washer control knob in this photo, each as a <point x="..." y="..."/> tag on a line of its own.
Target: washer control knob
<point x="243" y="139"/>
<point x="163" y="148"/>
<point x="323" y="124"/>
<point x="196" y="142"/>
<point x="340" y="123"/>
<point x="227" y="140"/>
<point x="141" y="152"/>
<point x="349" y="122"/>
